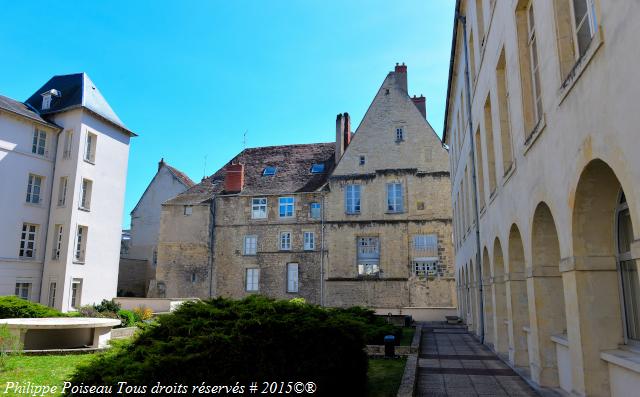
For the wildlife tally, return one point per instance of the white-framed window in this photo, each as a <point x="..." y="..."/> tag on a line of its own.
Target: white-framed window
<point x="34" y="185"/>
<point x="28" y="241"/>
<point x="76" y="293"/>
<point x="250" y="245"/>
<point x="285" y="241"/>
<point x="426" y="244"/>
<point x="368" y="256"/>
<point x="426" y="267"/>
<point x="39" y="145"/>
<point x="81" y="243"/>
<point x="52" y="293"/>
<point x="46" y="102"/>
<point x="395" y="202"/>
<point x="90" y="147"/>
<point x="286" y="207"/>
<point x="628" y="268"/>
<point x="259" y="208"/>
<point x="23" y="290"/>
<point x="62" y="191"/>
<point x="585" y="24"/>
<point x="68" y="142"/>
<point x="399" y="134"/>
<point x="309" y="241"/>
<point x="252" y="279"/>
<point x="352" y="199"/>
<point x="57" y="243"/>
<point x="535" y="66"/>
<point x="292" y="277"/>
<point x="85" y="193"/>
<point x="315" y="210"/>
<point x="188" y="210"/>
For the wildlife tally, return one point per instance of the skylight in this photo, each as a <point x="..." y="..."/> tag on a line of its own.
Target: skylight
<point x="317" y="168"/>
<point x="269" y="171"/>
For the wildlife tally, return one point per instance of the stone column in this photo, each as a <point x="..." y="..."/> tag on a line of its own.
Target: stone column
<point x="489" y="339"/>
<point x="518" y="315"/>
<point x="501" y="340"/>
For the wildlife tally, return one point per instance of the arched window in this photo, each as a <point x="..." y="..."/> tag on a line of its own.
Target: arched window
<point x="628" y="272"/>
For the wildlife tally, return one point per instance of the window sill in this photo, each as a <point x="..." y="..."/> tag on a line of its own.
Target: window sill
<point x="284" y="250"/>
<point x="78" y="262"/>
<point x="627" y="359"/>
<point x="394" y="212"/>
<point x="580" y="65"/>
<point x="92" y="162"/>
<point x="260" y="219"/>
<point x="35" y="205"/>
<point x="352" y="213"/>
<point x="509" y="173"/>
<point x="560" y="340"/>
<point x="84" y="209"/>
<point x="535" y="133"/>
<point x="249" y="254"/>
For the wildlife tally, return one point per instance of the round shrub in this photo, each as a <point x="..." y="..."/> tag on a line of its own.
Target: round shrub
<point x="127" y="317"/>
<point x="223" y="341"/>
<point x="107" y="306"/>
<point x="14" y="307"/>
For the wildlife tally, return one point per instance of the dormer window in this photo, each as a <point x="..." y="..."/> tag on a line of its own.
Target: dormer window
<point x="46" y="98"/>
<point x="317" y="168"/>
<point x="269" y="171"/>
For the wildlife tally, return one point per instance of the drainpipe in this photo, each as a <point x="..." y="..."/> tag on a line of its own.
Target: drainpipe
<point x="467" y="83"/>
<point x="212" y="240"/>
<point x="322" y="252"/>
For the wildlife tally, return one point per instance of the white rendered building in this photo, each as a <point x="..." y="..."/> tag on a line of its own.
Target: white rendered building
<point x="63" y="167"/>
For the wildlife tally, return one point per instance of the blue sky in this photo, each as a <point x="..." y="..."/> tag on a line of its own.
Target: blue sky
<point x="190" y="77"/>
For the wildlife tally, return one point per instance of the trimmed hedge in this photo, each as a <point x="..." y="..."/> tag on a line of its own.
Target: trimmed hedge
<point x="257" y="339"/>
<point x="375" y="327"/>
<point x="14" y="307"/>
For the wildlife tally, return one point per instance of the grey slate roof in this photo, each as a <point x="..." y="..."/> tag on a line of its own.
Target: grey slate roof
<point x="77" y="90"/>
<point x="293" y="173"/>
<point x="21" y="109"/>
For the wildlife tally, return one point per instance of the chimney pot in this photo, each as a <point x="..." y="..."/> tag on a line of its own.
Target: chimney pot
<point x="160" y="163"/>
<point x="421" y="104"/>
<point x="234" y="178"/>
<point x="401" y="76"/>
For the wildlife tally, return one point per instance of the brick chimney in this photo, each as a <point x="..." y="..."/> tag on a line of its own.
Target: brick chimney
<point x="347" y="129"/>
<point x="339" y="137"/>
<point x="421" y="104"/>
<point x="401" y="76"/>
<point x="234" y="178"/>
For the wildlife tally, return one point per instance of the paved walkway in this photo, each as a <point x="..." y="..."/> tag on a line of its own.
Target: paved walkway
<point x="453" y="363"/>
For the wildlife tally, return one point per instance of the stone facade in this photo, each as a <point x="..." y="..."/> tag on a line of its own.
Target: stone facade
<point x="551" y="282"/>
<point x="330" y="272"/>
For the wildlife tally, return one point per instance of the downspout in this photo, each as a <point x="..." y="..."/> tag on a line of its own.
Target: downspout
<point x="212" y="240"/>
<point x="322" y="252"/>
<point x="467" y="83"/>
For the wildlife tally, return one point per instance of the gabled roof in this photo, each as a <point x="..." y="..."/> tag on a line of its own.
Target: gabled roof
<point x="21" y="109"/>
<point x="76" y="90"/>
<point x="179" y="175"/>
<point x="293" y="173"/>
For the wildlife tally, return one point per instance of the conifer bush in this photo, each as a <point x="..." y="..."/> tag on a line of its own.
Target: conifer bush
<point x="223" y="341"/>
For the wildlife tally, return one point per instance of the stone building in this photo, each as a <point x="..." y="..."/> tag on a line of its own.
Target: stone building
<point x="138" y="256"/>
<point x="362" y="221"/>
<point x="63" y="165"/>
<point x="541" y="124"/>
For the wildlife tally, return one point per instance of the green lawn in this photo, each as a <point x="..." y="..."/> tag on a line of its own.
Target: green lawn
<point x="407" y="336"/>
<point x="41" y="370"/>
<point x="384" y="376"/>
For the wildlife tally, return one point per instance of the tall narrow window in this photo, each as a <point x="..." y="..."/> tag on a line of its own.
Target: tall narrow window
<point x="39" y="145"/>
<point x="85" y="193"/>
<point x="399" y="134"/>
<point x="252" y="279"/>
<point x="352" y="199"/>
<point x="259" y="208"/>
<point x="535" y="66"/>
<point x="309" y="241"/>
<point x="395" y="202"/>
<point x="23" y="290"/>
<point x="628" y="272"/>
<point x="250" y="245"/>
<point x="285" y="241"/>
<point x="503" y="110"/>
<point x="426" y="244"/>
<point x="68" y="141"/>
<point x="62" y="191"/>
<point x="90" y="147"/>
<point x="584" y="14"/>
<point x="368" y="256"/>
<point x="57" y="243"/>
<point x="292" y="277"/>
<point x="187" y="210"/>
<point x="286" y="207"/>
<point x="28" y="241"/>
<point x="315" y="210"/>
<point x="52" y="294"/>
<point x="34" y="185"/>
<point x="480" y="168"/>
<point x="81" y="243"/>
<point x="529" y="97"/>
<point x="491" y="154"/>
<point x="76" y="293"/>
